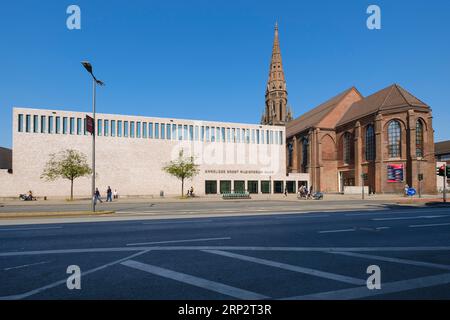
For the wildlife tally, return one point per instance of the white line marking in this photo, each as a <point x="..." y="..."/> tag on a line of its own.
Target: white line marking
<point x="429" y="225"/>
<point x="27" y="229"/>
<point x="383" y="228"/>
<point x="225" y="248"/>
<point x="407" y="218"/>
<point x="63" y="281"/>
<point x="302" y="216"/>
<point x="336" y="231"/>
<point x="26" y="265"/>
<point x="177" y="241"/>
<point x="195" y="281"/>
<point x="175" y="222"/>
<point x="395" y="260"/>
<point x="390" y="287"/>
<point x="312" y="272"/>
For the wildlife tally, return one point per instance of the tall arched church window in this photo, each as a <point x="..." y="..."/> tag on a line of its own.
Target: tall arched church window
<point x="347" y="144"/>
<point x="370" y="143"/>
<point x="419" y="138"/>
<point x="394" y="139"/>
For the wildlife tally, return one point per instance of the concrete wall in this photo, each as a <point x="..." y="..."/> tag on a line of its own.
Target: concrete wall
<point x="133" y="166"/>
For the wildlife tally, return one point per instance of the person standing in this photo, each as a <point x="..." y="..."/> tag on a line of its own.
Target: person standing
<point x="109" y="194"/>
<point x="116" y="194"/>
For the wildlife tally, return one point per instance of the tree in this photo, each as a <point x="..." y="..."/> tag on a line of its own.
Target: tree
<point x="68" y="164"/>
<point x="182" y="168"/>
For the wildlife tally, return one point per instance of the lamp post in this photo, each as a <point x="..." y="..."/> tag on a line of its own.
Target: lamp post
<point x="95" y="82"/>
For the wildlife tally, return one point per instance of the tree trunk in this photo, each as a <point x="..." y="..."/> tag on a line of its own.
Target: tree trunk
<point x="71" y="190"/>
<point x="182" y="187"/>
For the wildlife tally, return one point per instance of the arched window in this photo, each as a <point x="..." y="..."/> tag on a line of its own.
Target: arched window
<point x="370" y="143"/>
<point x="347" y="145"/>
<point x="419" y="138"/>
<point x="290" y="154"/>
<point x="305" y="146"/>
<point x="394" y="139"/>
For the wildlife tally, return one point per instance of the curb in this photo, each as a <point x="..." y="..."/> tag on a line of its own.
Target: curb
<point x="53" y="214"/>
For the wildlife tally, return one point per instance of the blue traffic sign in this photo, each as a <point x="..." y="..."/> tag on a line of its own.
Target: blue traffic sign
<point x="411" y="192"/>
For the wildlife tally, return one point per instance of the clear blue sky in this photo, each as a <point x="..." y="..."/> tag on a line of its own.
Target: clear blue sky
<point x="209" y="59"/>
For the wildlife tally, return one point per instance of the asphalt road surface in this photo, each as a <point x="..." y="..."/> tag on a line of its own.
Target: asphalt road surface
<point x="321" y="255"/>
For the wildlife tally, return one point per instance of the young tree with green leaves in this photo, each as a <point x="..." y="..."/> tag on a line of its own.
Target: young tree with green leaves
<point x="182" y="168"/>
<point x="68" y="164"/>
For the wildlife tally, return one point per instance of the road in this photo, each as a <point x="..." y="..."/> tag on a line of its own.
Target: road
<point x="318" y="255"/>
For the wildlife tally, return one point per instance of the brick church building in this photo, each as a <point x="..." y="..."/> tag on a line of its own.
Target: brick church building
<point x="384" y="140"/>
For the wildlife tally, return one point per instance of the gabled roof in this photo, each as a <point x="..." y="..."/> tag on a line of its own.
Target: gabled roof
<point x="313" y="117"/>
<point x="442" y="147"/>
<point x="389" y="98"/>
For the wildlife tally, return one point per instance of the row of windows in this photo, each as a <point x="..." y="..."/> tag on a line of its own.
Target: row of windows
<point x="151" y="130"/>
<point x="252" y="186"/>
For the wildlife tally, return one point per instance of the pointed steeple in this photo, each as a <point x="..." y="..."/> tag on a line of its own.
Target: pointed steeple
<point x="276" y="92"/>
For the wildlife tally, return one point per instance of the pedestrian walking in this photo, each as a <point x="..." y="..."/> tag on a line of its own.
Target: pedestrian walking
<point x="97" y="196"/>
<point x="406" y="190"/>
<point x="109" y="194"/>
<point x="285" y="191"/>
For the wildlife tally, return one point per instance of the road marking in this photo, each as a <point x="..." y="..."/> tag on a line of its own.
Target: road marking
<point x="302" y="216"/>
<point x="336" y="231"/>
<point x="429" y="225"/>
<point x="177" y="241"/>
<point x="27" y="229"/>
<point x="395" y="260"/>
<point x="63" y="281"/>
<point x="175" y="222"/>
<point x="26" y="265"/>
<point x="390" y="287"/>
<point x="195" y="281"/>
<point x="224" y="248"/>
<point x="407" y="218"/>
<point x="312" y="272"/>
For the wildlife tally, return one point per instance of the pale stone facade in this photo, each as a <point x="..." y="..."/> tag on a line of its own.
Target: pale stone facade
<point x="227" y="152"/>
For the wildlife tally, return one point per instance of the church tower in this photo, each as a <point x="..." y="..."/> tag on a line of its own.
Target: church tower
<point x="276" y="110"/>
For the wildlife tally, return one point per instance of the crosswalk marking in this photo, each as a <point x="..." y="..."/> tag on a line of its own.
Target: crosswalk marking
<point x="195" y="281"/>
<point x="313" y="272"/>
<point x="395" y="260"/>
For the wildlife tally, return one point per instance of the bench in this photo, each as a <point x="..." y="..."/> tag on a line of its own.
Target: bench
<point x="236" y="195"/>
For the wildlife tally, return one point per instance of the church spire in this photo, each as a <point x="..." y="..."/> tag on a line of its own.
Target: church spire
<point x="276" y="93"/>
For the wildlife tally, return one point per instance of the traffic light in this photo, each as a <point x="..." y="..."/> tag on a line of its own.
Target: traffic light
<point x="448" y="171"/>
<point x="440" y="171"/>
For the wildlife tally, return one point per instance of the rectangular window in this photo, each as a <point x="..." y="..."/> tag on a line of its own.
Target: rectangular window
<point x="207" y="133"/>
<point x="99" y="127"/>
<point x="223" y="134"/>
<point x="113" y="128"/>
<point x="79" y="126"/>
<point x="72" y="125"/>
<point x="144" y="130"/>
<point x="156" y="130"/>
<point x="126" y="129"/>
<point x="271" y="137"/>
<point x="247" y="135"/>
<point x="210" y="187"/>
<point x="20" y="123"/>
<point x="238" y="135"/>
<point x="50" y="124"/>
<point x="132" y="129"/>
<point x="213" y="134"/>
<point x="265" y="187"/>
<point x="106" y="128"/>
<point x="58" y="125"/>
<point x="244" y="135"/>
<point x="252" y="187"/>
<point x="276" y="137"/>
<point x="239" y="186"/>
<point x="174" y="131"/>
<point x="64" y="131"/>
<point x="267" y="136"/>
<point x="225" y="186"/>
<point x="281" y="137"/>
<point x="43" y="123"/>
<point x="202" y="133"/>
<point x="185" y="132"/>
<point x="233" y="135"/>
<point x="196" y="133"/>
<point x="191" y="133"/>
<point x="138" y="129"/>
<point x="85" y="127"/>
<point x="257" y="136"/>
<point x="169" y="132"/>
<point x="228" y="134"/>
<point x="35" y="124"/>
<point x="253" y="136"/>
<point x="163" y="131"/>
<point x="119" y="128"/>
<point x="150" y="130"/>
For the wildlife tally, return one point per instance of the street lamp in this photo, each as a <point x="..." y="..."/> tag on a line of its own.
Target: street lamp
<point x="95" y="82"/>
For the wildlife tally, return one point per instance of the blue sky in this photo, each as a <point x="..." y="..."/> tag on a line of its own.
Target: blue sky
<point x="209" y="59"/>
